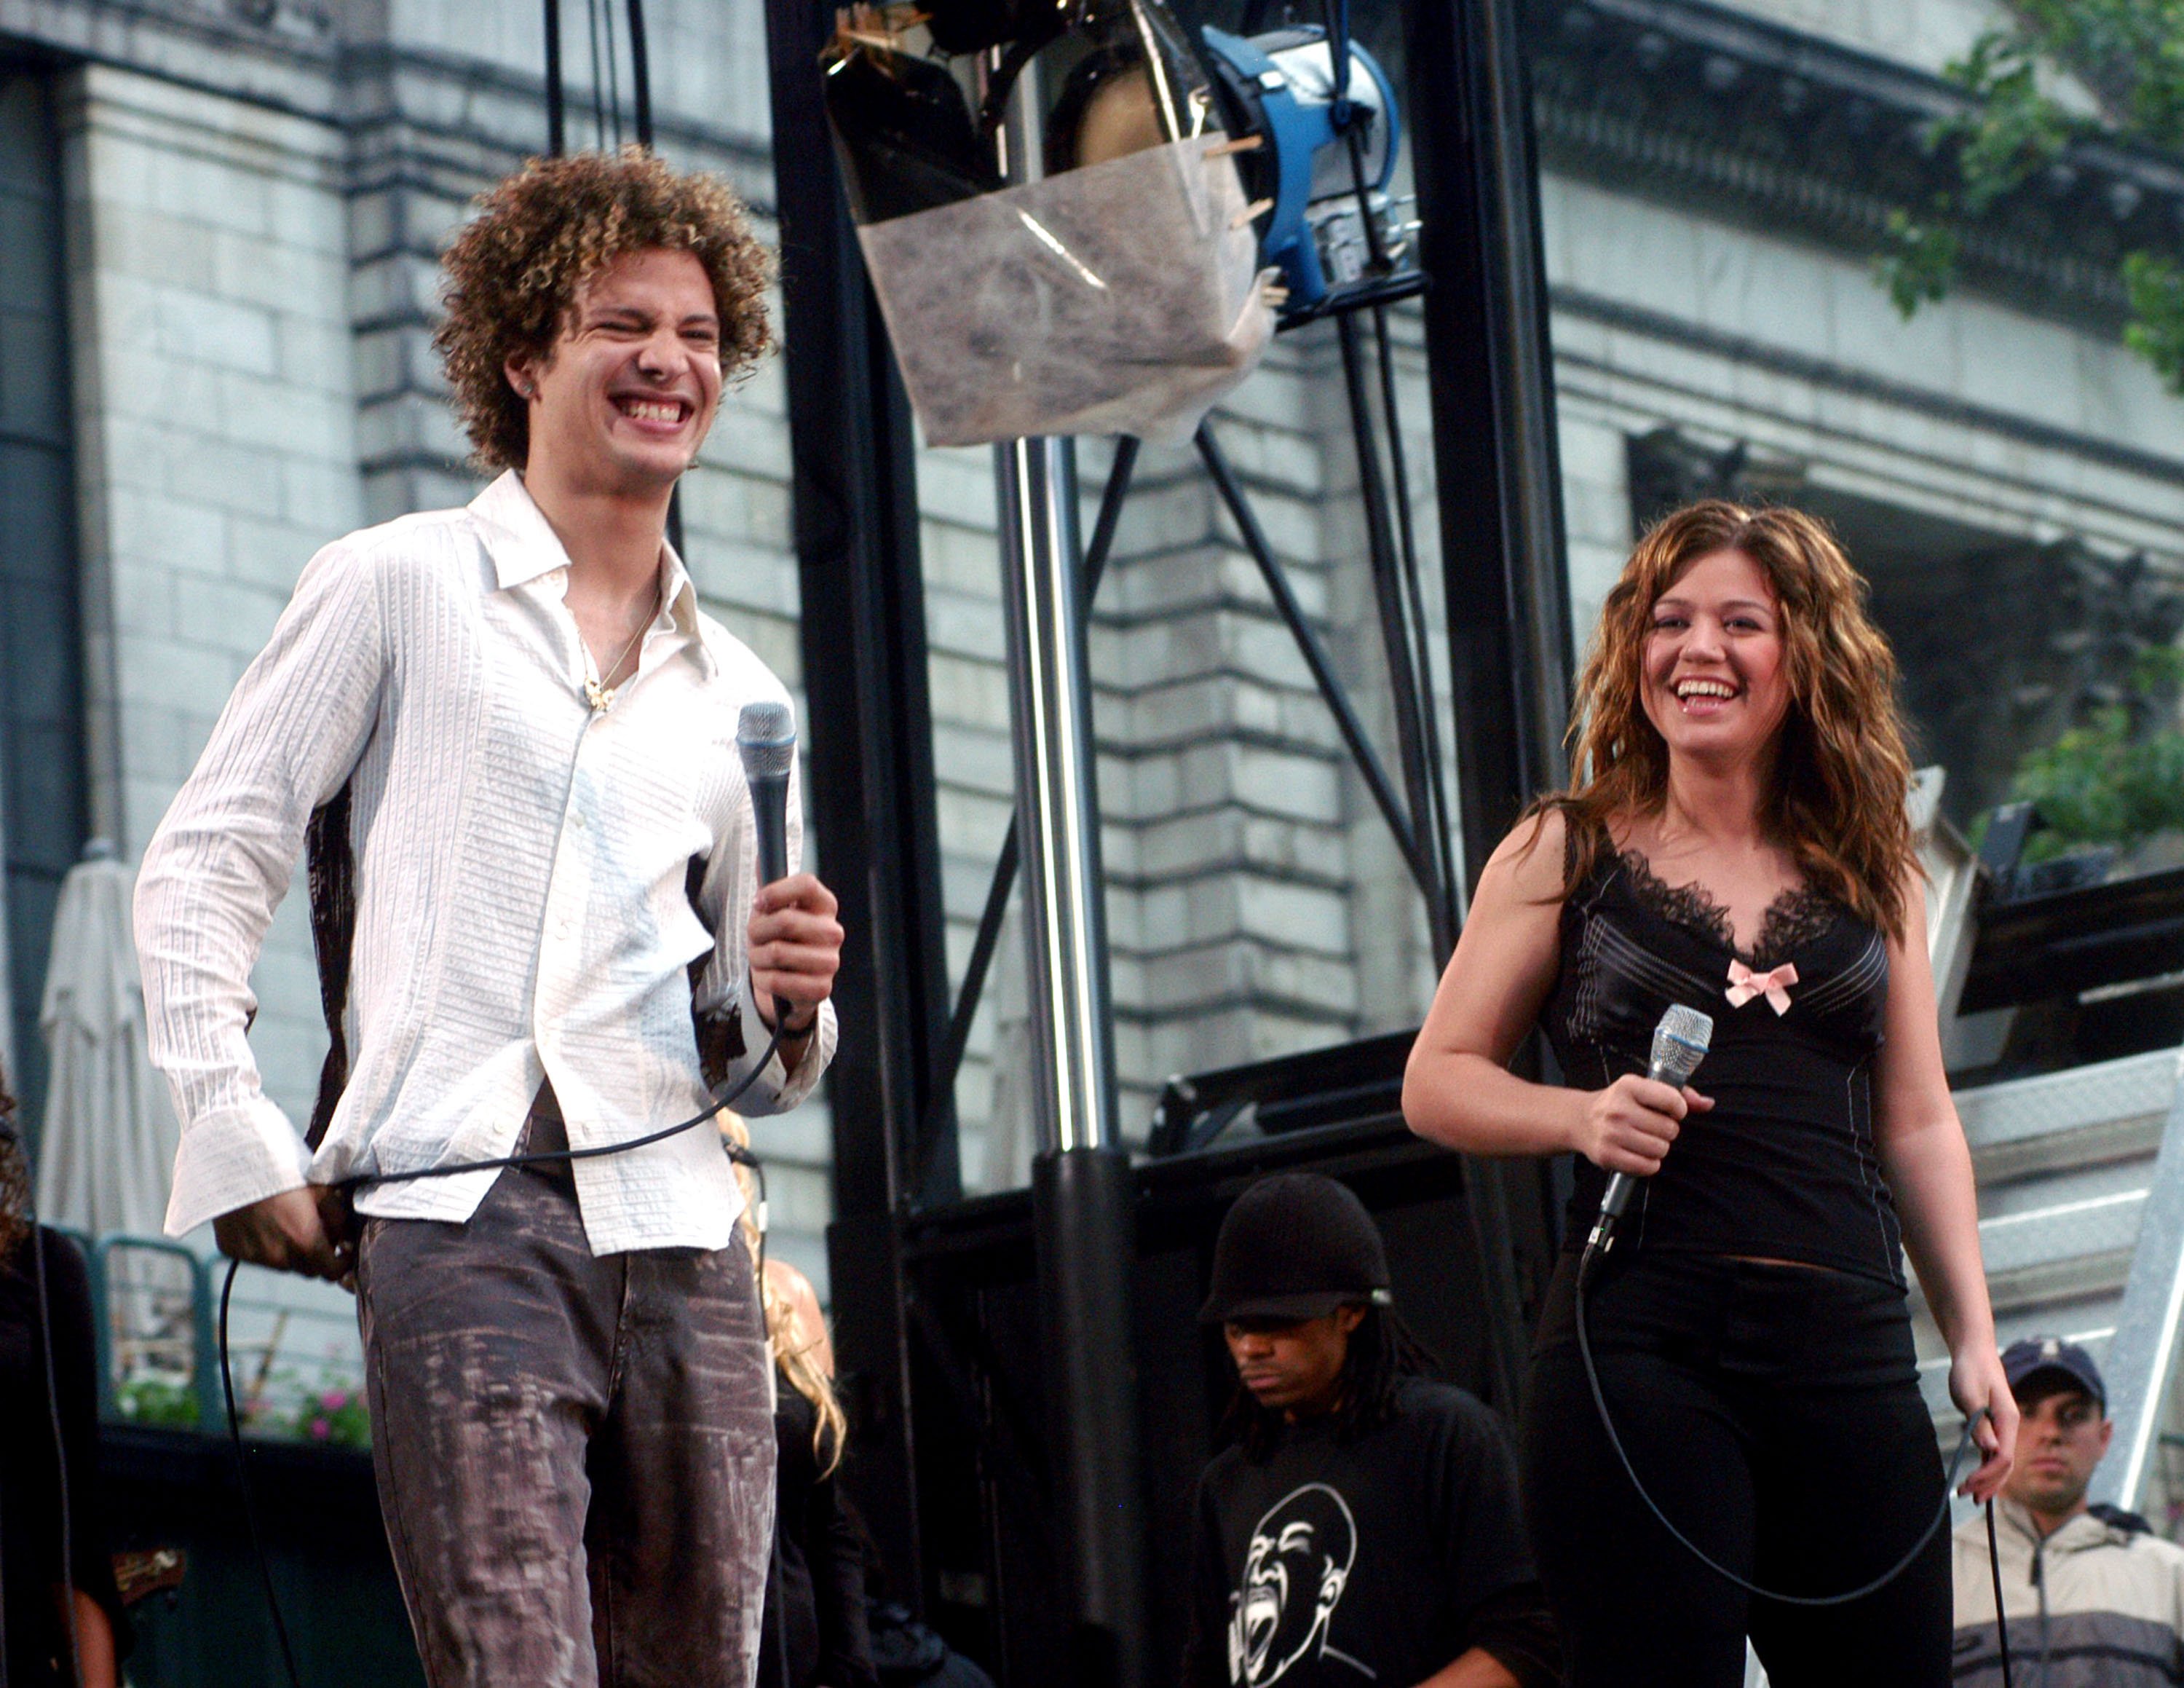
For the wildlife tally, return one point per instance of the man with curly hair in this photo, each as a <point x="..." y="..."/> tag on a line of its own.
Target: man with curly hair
<point x="520" y="723"/>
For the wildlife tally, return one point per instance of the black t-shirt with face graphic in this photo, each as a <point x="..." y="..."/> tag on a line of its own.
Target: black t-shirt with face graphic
<point x="1376" y="1563"/>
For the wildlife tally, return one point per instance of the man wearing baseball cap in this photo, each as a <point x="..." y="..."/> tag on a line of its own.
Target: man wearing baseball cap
<point x="2091" y="1597"/>
<point x="1361" y="1527"/>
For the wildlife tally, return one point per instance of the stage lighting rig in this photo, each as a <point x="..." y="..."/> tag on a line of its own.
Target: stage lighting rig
<point x="1322" y="166"/>
<point x="1051" y="215"/>
<point x="1076" y="224"/>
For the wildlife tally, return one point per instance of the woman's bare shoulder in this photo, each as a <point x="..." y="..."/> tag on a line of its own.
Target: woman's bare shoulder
<point x="1531" y="861"/>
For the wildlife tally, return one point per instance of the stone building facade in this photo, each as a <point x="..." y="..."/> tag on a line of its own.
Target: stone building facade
<point x="247" y="199"/>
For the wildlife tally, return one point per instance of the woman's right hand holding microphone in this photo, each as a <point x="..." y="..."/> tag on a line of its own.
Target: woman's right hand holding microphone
<point x="1629" y="1126"/>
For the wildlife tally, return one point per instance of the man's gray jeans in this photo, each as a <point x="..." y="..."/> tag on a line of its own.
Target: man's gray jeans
<point x="575" y="1455"/>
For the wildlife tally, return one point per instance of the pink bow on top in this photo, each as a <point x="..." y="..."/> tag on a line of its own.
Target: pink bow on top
<point x="1744" y="985"/>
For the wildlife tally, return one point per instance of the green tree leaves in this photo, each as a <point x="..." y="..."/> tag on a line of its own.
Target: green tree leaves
<point x="2119" y="777"/>
<point x="2120" y="63"/>
<point x="2156" y="331"/>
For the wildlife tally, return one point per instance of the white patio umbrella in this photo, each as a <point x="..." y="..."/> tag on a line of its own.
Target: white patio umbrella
<point x="106" y="1152"/>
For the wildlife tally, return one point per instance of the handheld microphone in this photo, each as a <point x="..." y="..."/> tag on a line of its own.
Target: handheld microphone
<point x="1679" y="1044"/>
<point x="766" y="737"/>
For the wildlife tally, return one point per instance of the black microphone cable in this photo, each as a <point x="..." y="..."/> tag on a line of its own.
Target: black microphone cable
<point x="60" y="1453"/>
<point x="1586" y="1262"/>
<point x="11" y="1132"/>
<point x="2001" y="1623"/>
<point x="735" y="1152"/>
<point x="599" y="1150"/>
<point x="243" y="1483"/>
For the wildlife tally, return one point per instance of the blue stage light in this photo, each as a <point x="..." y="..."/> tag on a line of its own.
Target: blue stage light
<point x="1279" y="87"/>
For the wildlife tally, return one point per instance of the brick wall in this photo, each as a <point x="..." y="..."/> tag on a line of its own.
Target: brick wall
<point x="216" y="436"/>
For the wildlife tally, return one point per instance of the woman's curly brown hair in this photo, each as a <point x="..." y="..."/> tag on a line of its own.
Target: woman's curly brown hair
<point x="1842" y="775"/>
<point x="514" y="272"/>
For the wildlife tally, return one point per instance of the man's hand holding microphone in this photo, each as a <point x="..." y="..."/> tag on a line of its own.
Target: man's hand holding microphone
<point x="795" y="943"/>
<point x="795" y="950"/>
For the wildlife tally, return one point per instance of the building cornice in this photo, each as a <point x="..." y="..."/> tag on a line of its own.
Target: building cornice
<point x="289" y="56"/>
<point x="1826" y="374"/>
<point x="1703" y="105"/>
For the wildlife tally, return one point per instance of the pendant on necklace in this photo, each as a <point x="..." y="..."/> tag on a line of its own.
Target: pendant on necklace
<point x="597" y="692"/>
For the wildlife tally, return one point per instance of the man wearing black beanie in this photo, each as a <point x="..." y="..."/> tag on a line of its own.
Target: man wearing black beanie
<point x="1363" y="1526"/>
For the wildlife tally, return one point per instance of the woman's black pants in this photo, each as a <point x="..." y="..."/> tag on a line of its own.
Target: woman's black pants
<point x="1774" y="1414"/>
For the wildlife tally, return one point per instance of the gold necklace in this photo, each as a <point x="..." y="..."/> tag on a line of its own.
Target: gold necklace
<point x="600" y="693"/>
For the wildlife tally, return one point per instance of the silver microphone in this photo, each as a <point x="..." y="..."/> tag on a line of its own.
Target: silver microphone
<point x="766" y="736"/>
<point x="1679" y="1044"/>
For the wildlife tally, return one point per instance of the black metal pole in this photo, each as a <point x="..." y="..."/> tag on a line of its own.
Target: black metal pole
<point x="614" y="73"/>
<point x="870" y="781"/>
<point x="640" y="88"/>
<point x="1410" y="705"/>
<point x="640" y="75"/>
<point x="1437" y="831"/>
<point x="1084" y="1204"/>
<point x="557" y="122"/>
<point x="1491" y="382"/>
<point x="1498" y="481"/>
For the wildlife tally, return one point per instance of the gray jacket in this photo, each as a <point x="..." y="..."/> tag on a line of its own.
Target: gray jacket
<point x="2096" y="1605"/>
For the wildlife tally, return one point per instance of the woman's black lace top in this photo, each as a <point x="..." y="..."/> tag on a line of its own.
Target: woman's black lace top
<point x="1784" y="1166"/>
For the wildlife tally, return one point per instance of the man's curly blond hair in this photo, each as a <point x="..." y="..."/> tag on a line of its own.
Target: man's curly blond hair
<point x="513" y="274"/>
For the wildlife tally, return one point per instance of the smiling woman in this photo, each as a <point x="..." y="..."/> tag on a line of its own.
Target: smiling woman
<point x="1739" y="844"/>
<point x="1717" y="592"/>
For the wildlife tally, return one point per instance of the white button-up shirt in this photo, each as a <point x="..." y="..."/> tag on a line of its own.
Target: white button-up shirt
<point x="521" y="863"/>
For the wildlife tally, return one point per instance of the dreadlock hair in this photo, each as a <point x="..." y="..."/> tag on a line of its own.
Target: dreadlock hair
<point x="1382" y="1353"/>
<point x="15" y="1180"/>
